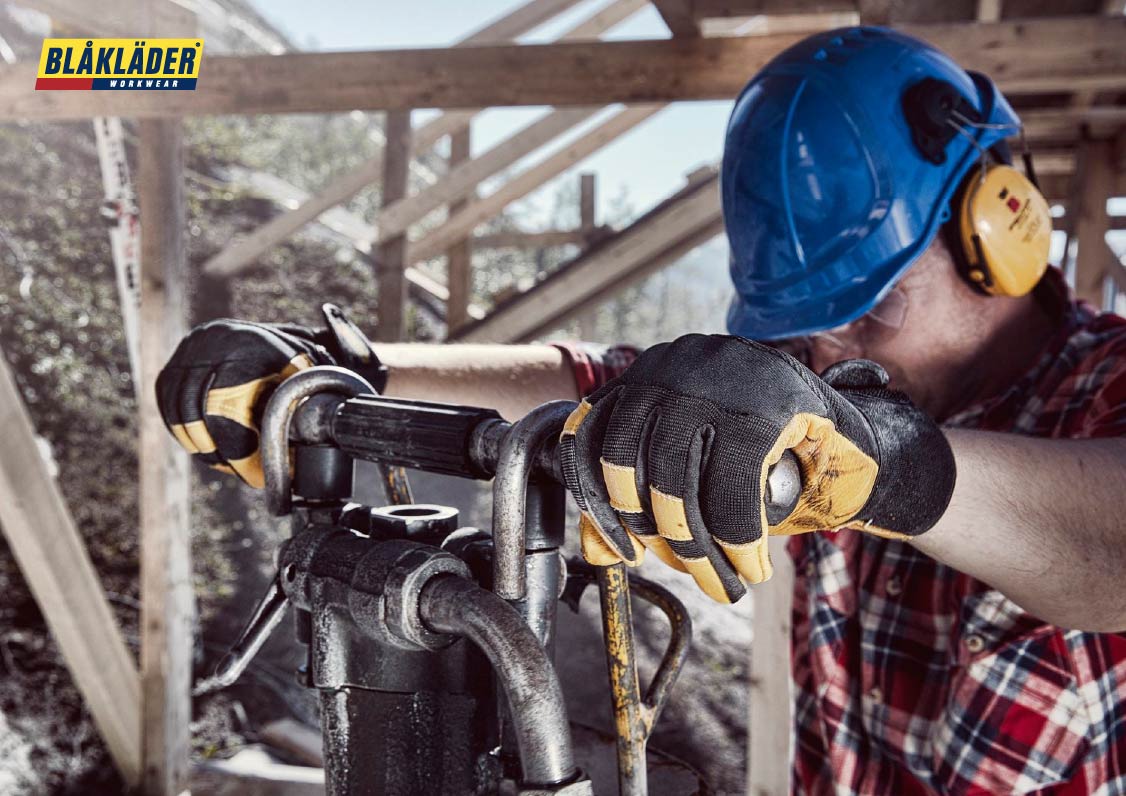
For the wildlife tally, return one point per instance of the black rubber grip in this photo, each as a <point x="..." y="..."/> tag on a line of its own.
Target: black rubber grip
<point x="422" y="435"/>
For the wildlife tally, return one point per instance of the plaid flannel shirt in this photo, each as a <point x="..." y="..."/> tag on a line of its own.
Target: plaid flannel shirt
<point x="912" y="678"/>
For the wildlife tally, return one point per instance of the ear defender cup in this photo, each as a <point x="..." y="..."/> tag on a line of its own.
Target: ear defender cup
<point x="1005" y="230"/>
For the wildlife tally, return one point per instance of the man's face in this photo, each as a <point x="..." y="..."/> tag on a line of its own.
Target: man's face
<point x="916" y="333"/>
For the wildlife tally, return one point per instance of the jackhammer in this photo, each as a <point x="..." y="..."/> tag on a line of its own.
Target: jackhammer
<point x="431" y="644"/>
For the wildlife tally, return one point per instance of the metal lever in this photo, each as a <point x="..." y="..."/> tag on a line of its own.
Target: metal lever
<point x="265" y="619"/>
<point x="634" y="715"/>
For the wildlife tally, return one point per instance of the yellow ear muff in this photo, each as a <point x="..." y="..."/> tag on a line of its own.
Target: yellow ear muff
<point x="1006" y="229"/>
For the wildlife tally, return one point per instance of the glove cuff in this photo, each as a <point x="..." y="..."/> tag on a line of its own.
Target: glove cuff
<point x="916" y="465"/>
<point x="350" y="347"/>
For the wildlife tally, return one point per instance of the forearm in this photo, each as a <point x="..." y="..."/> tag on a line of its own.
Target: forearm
<point x="1041" y="521"/>
<point x="509" y="378"/>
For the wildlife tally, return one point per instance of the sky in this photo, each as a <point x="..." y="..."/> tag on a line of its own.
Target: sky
<point x="643" y="167"/>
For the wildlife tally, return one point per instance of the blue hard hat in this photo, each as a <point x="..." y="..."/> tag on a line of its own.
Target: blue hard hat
<point x="828" y="193"/>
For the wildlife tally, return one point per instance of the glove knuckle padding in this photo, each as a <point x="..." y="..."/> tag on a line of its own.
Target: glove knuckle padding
<point x="214" y="388"/>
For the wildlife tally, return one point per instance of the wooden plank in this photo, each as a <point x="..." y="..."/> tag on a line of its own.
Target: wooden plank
<point x="679" y="16"/>
<point x="711" y="9"/>
<point x="648" y="243"/>
<point x="1091" y="222"/>
<point x="390" y="256"/>
<point x="167" y="603"/>
<point x="462" y="223"/>
<point x="1057" y="187"/>
<point x="531" y="240"/>
<point x="875" y="12"/>
<point x="459" y="257"/>
<point x="587" y="199"/>
<point x="248" y="248"/>
<point x="769" y="725"/>
<point x="1062" y="53"/>
<point x="1064" y="124"/>
<point x="50" y="553"/>
<point x="988" y="10"/>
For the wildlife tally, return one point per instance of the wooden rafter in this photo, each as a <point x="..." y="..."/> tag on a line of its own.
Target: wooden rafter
<point x="679" y="16"/>
<point x="395" y="218"/>
<point x="49" y="550"/>
<point x="659" y="237"/>
<point x="462" y="223"/>
<point x="1065" y="53"/>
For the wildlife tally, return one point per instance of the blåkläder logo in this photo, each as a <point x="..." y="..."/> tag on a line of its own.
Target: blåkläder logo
<point x="112" y="64"/>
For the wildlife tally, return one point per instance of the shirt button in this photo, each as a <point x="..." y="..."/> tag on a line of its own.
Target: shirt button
<point x="894" y="586"/>
<point x="810" y="569"/>
<point x="974" y="643"/>
<point x="876" y="695"/>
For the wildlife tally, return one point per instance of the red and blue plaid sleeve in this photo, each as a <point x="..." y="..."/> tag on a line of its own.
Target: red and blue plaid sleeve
<point x="594" y="365"/>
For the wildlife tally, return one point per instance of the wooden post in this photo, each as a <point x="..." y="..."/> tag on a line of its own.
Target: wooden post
<point x="391" y="255"/>
<point x="586" y="203"/>
<point x="459" y="257"/>
<point x="1095" y="186"/>
<point x="50" y="553"/>
<point x="167" y="603"/>
<point x="769" y="725"/>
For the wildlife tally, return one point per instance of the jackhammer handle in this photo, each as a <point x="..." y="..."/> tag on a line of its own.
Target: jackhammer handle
<point x="425" y="435"/>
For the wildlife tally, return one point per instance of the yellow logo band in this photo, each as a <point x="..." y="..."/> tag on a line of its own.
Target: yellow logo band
<point x="111" y="64"/>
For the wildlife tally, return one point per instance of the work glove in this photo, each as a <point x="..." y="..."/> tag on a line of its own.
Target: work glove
<point x="213" y="390"/>
<point x="673" y="456"/>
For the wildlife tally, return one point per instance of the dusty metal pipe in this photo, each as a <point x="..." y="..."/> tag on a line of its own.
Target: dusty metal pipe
<point x="510" y="491"/>
<point x="454" y="605"/>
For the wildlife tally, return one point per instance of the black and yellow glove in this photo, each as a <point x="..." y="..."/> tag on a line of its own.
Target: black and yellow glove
<point x="674" y="455"/>
<point x="213" y="390"/>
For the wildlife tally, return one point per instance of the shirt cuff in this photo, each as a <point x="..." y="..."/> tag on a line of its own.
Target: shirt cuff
<point x="593" y="365"/>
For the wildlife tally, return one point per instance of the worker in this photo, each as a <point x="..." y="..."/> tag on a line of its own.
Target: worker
<point x="959" y="547"/>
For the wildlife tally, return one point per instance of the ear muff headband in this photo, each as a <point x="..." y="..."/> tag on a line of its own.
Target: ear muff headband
<point x="1003" y="225"/>
<point x="1005" y="231"/>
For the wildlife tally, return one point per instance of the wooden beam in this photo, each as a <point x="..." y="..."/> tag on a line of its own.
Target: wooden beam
<point x="769" y="714"/>
<point x="989" y="10"/>
<point x="531" y="240"/>
<point x="712" y="9"/>
<point x="1057" y="187"/>
<point x="1096" y="185"/>
<point x="1064" y="124"/>
<point x="390" y="258"/>
<point x="649" y="243"/>
<point x="779" y="23"/>
<point x="679" y="16"/>
<point x="49" y="550"/>
<point x="587" y="202"/>
<point x="248" y="248"/>
<point x="462" y="223"/>
<point x="459" y="257"/>
<point x="1061" y="53"/>
<point x="875" y="12"/>
<point x="167" y="603"/>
